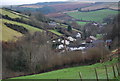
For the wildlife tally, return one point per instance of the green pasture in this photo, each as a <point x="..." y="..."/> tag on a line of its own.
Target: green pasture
<point x="30" y="28"/>
<point x="55" y="32"/>
<point x="13" y="14"/>
<point x="97" y="16"/>
<point x="81" y="23"/>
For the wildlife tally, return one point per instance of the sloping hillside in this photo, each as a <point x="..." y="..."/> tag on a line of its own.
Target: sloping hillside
<point x="8" y="33"/>
<point x="30" y="28"/>
<point x="13" y="14"/>
<point x="110" y="5"/>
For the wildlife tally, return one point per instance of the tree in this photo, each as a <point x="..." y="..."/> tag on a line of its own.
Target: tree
<point x="69" y="28"/>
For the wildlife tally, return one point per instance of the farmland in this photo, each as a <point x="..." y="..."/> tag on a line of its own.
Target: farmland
<point x="55" y="32"/>
<point x="30" y="28"/>
<point x="81" y="23"/>
<point x="9" y="36"/>
<point x="73" y="73"/>
<point x="4" y="12"/>
<point x="13" y="14"/>
<point x="96" y="16"/>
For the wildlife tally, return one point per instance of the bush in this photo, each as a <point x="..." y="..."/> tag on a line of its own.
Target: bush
<point x="18" y="28"/>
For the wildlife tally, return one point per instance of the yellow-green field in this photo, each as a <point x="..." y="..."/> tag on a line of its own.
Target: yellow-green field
<point x="55" y="32"/>
<point x="4" y="12"/>
<point x="8" y="33"/>
<point x="13" y="14"/>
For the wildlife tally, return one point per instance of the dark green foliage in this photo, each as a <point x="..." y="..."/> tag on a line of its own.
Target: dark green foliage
<point x="18" y="28"/>
<point x="20" y="63"/>
<point x="113" y="31"/>
<point x="69" y="28"/>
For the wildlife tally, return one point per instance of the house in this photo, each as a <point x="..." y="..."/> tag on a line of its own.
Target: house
<point x="78" y="35"/>
<point x="108" y="43"/>
<point x="71" y="39"/>
<point x="95" y="24"/>
<point x="66" y="42"/>
<point x="60" y="46"/>
<point x="90" y="39"/>
<point x="53" y="24"/>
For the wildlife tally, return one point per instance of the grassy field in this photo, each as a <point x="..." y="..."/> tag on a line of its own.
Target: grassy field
<point x="55" y="32"/>
<point x="97" y="16"/>
<point x="13" y="14"/>
<point x="73" y="72"/>
<point x="4" y="12"/>
<point x="8" y="33"/>
<point x="81" y="23"/>
<point x="30" y="28"/>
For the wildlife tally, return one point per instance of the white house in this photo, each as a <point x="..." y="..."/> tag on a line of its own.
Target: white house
<point x="61" y="46"/>
<point x="78" y="35"/>
<point x="71" y="39"/>
<point x="65" y="42"/>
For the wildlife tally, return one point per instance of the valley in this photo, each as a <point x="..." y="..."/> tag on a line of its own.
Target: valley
<point x="60" y="40"/>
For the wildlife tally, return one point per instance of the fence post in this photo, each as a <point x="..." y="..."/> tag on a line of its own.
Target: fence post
<point x="118" y="69"/>
<point x="114" y="71"/>
<point x="80" y="75"/>
<point x="96" y="74"/>
<point x="106" y="73"/>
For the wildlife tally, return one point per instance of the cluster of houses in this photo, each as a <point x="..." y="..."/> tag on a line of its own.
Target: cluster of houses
<point x="75" y="43"/>
<point x="90" y="42"/>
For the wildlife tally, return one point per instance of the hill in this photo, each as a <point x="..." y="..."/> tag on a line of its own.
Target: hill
<point x="52" y="7"/>
<point x="30" y="28"/>
<point x="99" y="5"/>
<point x="11" y="34"/>
<point x="24" y="23"/>
<point x="8" y="33"/>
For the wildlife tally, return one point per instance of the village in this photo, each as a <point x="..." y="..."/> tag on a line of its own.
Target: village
<point x="77" y="43"/>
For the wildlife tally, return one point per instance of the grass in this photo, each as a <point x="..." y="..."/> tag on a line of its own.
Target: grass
<point x="30" y="28"/>
<point x="81" y="23"/>
<point x="55" y="32"/>
<point x="8" y="33"/>
<point x="4" y="12"/>
<point x="97" y="16"/>
<point x="13" y="14"/>
<point x="73" y="72"/>
<point x="98" y="36"/>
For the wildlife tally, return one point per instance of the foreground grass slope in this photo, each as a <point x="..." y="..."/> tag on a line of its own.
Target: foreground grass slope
<point x="8" y="33"/>
<point x="97" y="16"/>
<point x="73" y="73"/>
